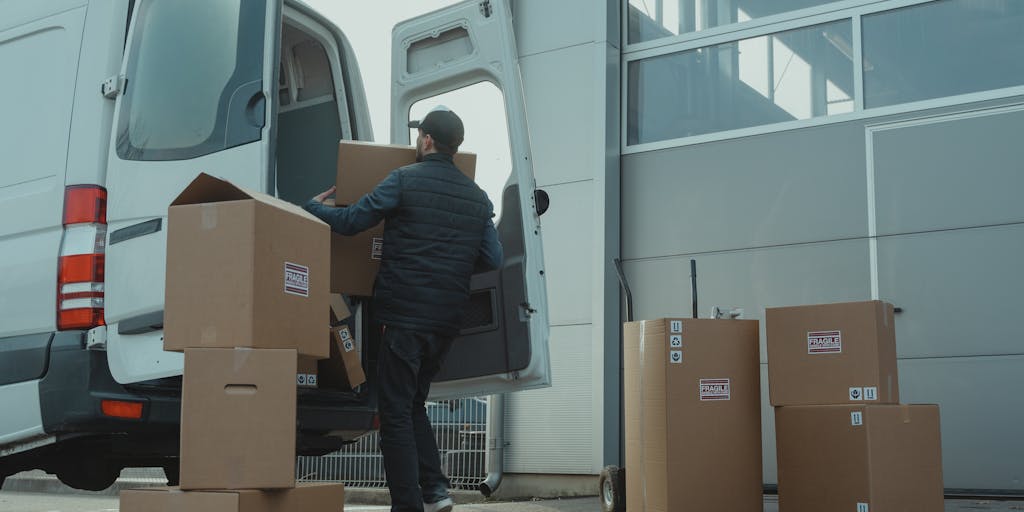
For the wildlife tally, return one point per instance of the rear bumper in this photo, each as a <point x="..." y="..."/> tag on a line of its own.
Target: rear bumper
<point x="78" y="380"/>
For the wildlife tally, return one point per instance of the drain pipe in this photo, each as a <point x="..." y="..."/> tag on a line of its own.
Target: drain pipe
<point x="495" y="444"/>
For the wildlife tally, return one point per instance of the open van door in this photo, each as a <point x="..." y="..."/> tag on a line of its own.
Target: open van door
<point x="194" y="95"/>
<point x="504" y="343"/>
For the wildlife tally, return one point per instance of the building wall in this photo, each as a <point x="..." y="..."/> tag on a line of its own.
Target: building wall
<point x="913" y="203"/>
<point x="569" y="66"/>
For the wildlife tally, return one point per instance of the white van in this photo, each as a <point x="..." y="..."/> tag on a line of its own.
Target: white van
<point x="109" y="108"/>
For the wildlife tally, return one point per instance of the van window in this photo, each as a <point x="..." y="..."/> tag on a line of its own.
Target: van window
<point x="194" y="79"/>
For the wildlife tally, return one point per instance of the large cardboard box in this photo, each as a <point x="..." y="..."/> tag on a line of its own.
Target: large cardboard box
<point x="861" y="458"/>
<point x="693" y="416"/>
<point x="304" y="498"/>
<point x="832" y="354"/>
<point x="355" y="260"/>
<point x="238" y="416"/>
<point x="244" y="269"/>
<point x="344" y="369"/>
<point x="307" y="372"/>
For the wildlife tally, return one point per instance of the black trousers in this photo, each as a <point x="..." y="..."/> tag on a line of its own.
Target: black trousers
<point x="408" y="361"/>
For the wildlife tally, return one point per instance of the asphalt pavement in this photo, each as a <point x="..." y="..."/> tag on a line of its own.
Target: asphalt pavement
<point x="31" y="502"/>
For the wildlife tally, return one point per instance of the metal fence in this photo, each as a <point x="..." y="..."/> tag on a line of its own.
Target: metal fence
<point x="460" y="428"/>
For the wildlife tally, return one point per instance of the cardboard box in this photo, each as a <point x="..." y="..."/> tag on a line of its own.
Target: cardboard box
<point x="355" y="260"/>
<point x="306" y="376"/>
<point x="244" y="269"/>
<point x="339" y="309"/>
<point x="693" y="415"/>
<point x="238" y="416"/>
<point x="832" y="354"/>
<point x="861" y="458"/>
<point x="344" y="369"/>
<point x="307" y="497"/>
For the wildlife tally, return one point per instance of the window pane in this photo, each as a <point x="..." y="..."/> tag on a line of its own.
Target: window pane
<point x="189" y="58"/>
<point x="941" y="49"/>
<point x="654" y="19"/>
<point x="798" y="74"/>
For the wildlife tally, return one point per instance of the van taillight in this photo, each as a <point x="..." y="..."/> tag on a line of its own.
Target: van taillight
<point x="81" y="263"/>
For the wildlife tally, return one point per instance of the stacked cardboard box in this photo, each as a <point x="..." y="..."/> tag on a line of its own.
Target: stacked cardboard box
<point x="843" y="440"/>
<point x="693" y="415"/>
<point x="246" y="293"/>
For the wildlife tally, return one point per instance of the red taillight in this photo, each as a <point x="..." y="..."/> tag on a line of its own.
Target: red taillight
<point x="80" y="273"/>
<point x="120" y="409"/>
<point x="85" y="204"/>
<point x="376" y="421"/>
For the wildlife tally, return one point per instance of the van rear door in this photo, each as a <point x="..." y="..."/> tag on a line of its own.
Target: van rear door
<point x="196" y="85"/>
<point x="504" y="345"/>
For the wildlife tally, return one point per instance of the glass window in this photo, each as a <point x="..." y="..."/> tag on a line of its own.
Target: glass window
<point x="654" y="19"/>
<point x="786" y="76"/>
<point x="941" y="49"/>
<point x="194" y="79"/>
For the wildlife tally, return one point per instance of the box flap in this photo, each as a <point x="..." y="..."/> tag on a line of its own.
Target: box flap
<point x="210" y="189"/>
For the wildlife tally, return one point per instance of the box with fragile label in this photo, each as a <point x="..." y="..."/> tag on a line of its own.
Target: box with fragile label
<point x="832" y="354"/>
<point x="306" y="497"/>
<point x="693" y="415"/>
<point x="861" y="458"/>
<point x="238" y="415"/>
<point x="355" y="260"/>
<point x="344" y="369"/>
<point x="244" y="269"/>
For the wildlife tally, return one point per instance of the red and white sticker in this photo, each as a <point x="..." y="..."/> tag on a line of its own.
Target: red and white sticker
<point x="296" y="279"/>
<point x="376" y="248"/>
<point x="715" y="389"/>
<point x="824" y="342"/>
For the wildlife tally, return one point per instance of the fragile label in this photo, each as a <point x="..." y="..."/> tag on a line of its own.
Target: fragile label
<point x="856" y="418"/>
<point x="862" y="507"/>
<point x="376" y="248"/>
<point x="676" y="340"/>
<point x="675" y="326"/>
<point x="675" y="356"/>
<point x="871" y="393"/>
<point x="715" y="389"/>
<point x="856" y="394"/>
<point x="296" y="279"/>
<point x="824" y="342"/>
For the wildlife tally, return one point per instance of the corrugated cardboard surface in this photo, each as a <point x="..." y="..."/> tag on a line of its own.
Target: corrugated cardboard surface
<point x="339" y="309"/>
<point x="890" y="462"/>
<point x="306" y="497"/>
<point x="306" y="376"/>
<point x="344" y="369"/>
<point x="688" y="450"/>
<point x="867" y="358"/>
<point x="228" y="265"/>
<point x="238" y="415"/>
<point x="361" y="167"/>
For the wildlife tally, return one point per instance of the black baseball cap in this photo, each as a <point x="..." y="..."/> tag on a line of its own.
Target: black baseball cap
<point x="443" y="126"/>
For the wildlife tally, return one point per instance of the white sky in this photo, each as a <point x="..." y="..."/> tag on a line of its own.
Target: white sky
<point x="367" y="25"/>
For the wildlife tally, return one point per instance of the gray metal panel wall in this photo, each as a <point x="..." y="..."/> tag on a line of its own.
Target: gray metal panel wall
<point x="783" y="219"/>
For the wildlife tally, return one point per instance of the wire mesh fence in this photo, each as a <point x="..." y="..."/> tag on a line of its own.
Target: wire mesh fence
<point x="460" y="428"/>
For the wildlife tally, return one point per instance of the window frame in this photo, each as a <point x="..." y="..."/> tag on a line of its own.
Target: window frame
<point x="853" y="10"/>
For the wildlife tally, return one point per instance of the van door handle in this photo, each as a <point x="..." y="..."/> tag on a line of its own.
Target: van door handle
<point x="141" y="324"/>
<point x="136" y="230"/>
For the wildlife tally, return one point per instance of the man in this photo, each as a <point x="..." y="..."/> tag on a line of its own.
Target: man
<point x="438" y="231"/>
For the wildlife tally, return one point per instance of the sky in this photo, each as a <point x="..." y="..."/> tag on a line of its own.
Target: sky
<point x="367" y="25"/>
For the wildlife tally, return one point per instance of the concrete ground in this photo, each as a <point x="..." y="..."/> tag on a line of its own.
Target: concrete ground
<point x="33" y="502"/>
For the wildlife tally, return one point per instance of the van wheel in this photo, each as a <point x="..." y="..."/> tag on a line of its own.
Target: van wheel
<point x="612" y="486"/>
<point x="95" y="476"/>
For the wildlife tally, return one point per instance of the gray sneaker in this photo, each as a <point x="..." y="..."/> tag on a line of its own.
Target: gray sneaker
<point x="444" y="505"/>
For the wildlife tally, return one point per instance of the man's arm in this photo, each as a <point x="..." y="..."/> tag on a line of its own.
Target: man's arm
<point x="366" y="213"/>
<point x="491" y="252"/>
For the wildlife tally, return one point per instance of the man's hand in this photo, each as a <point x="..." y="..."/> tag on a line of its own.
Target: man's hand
<point x="325" y="194"/>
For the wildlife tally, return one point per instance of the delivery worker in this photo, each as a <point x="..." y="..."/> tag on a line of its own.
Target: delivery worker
<point x="438" y="231"/>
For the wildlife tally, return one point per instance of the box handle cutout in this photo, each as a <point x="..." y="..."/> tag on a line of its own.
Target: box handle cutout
<point x="240" y="389"/>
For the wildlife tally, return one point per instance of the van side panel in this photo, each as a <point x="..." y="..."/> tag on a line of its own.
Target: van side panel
<point x="39" y="59"/>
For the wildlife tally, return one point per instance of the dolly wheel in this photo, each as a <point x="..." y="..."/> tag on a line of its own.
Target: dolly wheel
<point x="613" y="489"/>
